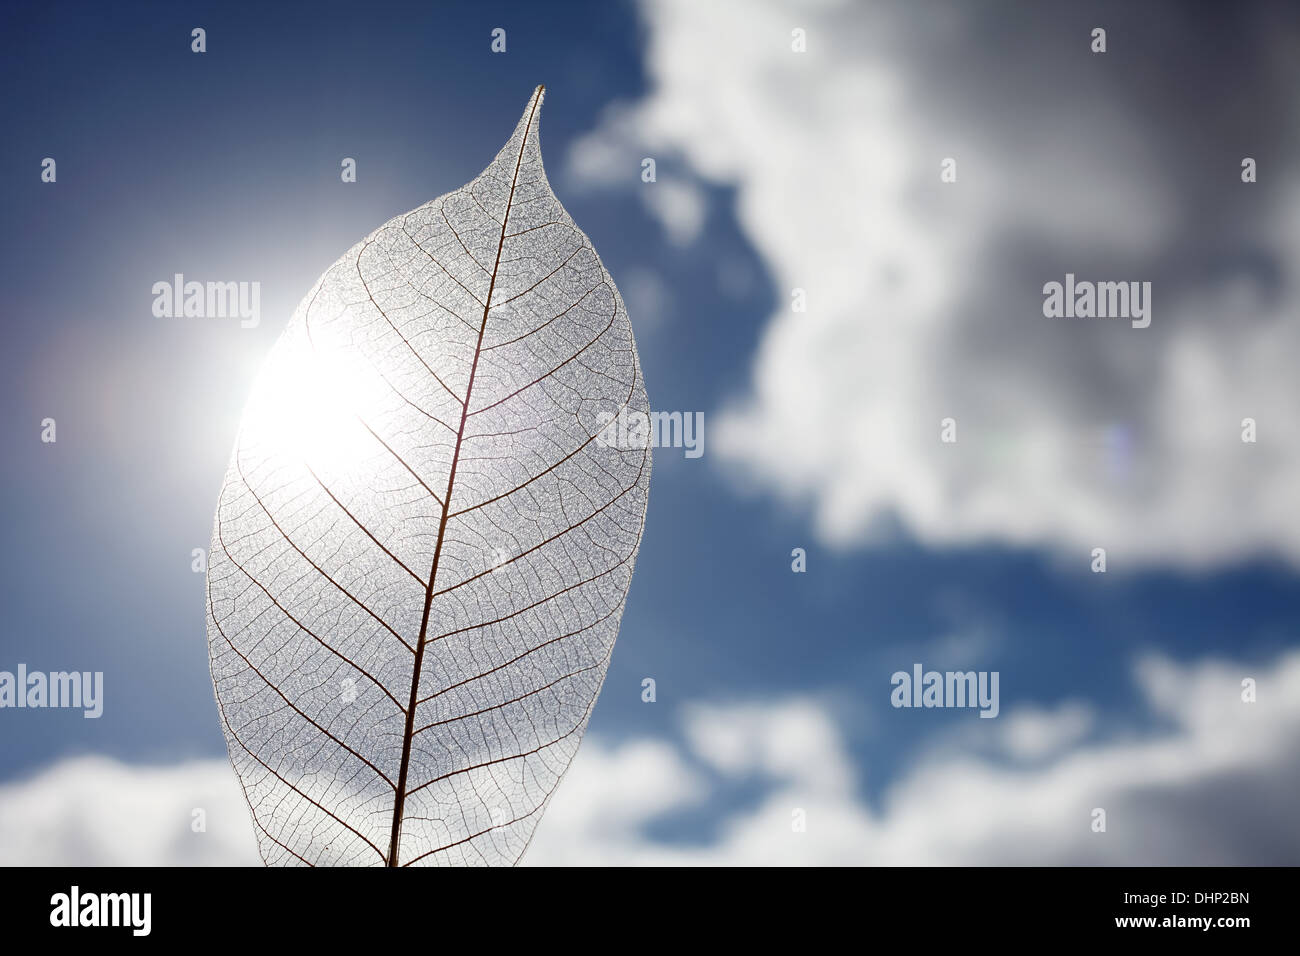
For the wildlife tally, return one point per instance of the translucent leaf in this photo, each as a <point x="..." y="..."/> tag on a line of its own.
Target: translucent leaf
<point x="422" y="549"/>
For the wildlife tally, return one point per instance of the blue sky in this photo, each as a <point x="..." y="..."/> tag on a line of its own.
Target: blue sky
<point x="226" y="166"/>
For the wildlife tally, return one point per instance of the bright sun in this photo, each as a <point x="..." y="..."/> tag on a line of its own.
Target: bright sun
<point x="313" y="406"/>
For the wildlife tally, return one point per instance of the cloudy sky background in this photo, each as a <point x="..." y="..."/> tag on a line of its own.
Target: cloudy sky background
<point x="776" y="171"/>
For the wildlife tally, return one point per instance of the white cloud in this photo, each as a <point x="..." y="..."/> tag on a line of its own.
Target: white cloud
<point x="1033" y="734"/>
<point x="924" y="298"/>
<point x="95" y="811"/>
<point x="787" y="740"/>
<point x="646" y="296"/>
<point x="680" y="206"/>
<point x="1215" y="787"/>
<point x="1215" y="784"/>
<point x="604" y="161"/>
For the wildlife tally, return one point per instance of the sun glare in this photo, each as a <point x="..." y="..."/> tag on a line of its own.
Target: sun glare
<point x="313" y="406"/>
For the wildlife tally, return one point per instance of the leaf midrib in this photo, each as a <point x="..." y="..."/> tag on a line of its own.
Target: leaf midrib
<point x="408" y="734"/>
